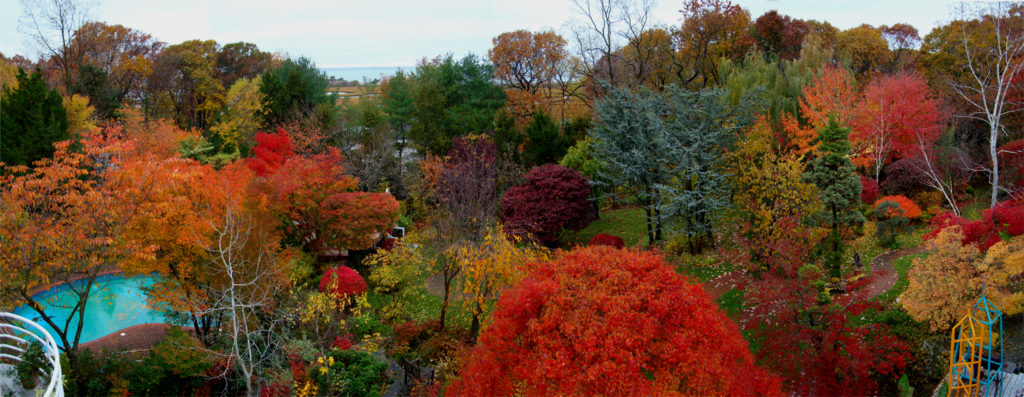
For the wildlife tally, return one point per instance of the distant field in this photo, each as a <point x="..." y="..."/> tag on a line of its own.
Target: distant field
<point x="353" y="93"/>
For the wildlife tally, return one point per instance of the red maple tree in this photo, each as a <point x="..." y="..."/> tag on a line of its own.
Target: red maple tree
<point x="271" y="151"/>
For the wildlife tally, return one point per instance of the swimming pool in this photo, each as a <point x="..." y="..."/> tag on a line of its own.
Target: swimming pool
<point x="115" y="302"/>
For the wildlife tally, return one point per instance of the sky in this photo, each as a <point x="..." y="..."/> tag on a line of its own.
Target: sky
<point x="361" y="33"/>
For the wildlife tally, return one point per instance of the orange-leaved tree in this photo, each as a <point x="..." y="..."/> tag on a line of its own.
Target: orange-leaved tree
<point x="605" y="321"/>
<point x="831" y="94"/>
<point x="944" y="284"/>
<point x="74" y="216"/>
<point x="527" y="62"/>
<point x="323" y="210"/>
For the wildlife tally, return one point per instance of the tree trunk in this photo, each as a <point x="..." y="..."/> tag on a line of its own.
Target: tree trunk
<point x="993" y="139"/>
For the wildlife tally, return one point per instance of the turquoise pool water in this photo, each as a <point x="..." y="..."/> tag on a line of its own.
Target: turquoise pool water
<point x="115" y="302"/>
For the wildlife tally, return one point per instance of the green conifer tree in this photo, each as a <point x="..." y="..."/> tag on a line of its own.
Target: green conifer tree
<point x="32" y="118"/>
<point x="834" y="174"/>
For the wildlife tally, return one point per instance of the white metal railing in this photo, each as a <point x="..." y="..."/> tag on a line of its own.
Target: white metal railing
<point x="17" y="331"/>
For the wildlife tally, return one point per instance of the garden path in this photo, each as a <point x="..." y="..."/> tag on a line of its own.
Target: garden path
<point x="885" y="275"/>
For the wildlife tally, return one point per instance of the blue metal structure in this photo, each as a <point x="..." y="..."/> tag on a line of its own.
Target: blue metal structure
<point x="974" y="365"/>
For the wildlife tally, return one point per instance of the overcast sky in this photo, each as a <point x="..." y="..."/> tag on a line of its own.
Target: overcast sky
<point x="354" y="33"/>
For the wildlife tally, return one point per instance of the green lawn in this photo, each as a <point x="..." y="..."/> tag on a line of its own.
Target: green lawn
<point x="731" y="302"/>
<point x="628" y="223"/>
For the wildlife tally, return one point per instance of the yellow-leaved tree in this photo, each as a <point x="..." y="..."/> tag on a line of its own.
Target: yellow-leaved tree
<point x="947" y="282"/>
<point x="768" y="188"/>
<point x="80" y="115"/>
<point x="490" y="266"/>
<point x="243" y="115"/>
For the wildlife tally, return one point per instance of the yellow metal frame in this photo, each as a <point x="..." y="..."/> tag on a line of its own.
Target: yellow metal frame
<point x="965" y="364"/>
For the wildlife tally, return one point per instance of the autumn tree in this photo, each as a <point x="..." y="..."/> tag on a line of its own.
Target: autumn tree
<point x="73" y="216"/>
<point x="526" y="64"/>
<point x="116" y="63"/>
<point x="864" y="47"/>
<point x="241" y="60"/>
<point x="322" y="208"/>
<point x="551" y="198"/>
<point x="832" y="94"/>
<point x="33" y="120"/>
<point x="271" y="151"/>
<point x="711" y="30"/>
<point x="598" y="321"/>
<point x="944" y="284"/>
<point x="184" y="84"/>
<point x="818" y="344"/>
<point x="780" y="87"/>
<point x="779" y="36"/>
<point x="768" y="189"/>
<point x="898" y="115"/>
<point x="836" y="179"/>
<point x="991" y="70"/>
<point x="243" y="116"/>
<point x="488" y="268"/>
<point x="238" y="275"/>
<point x="903" y="40"/>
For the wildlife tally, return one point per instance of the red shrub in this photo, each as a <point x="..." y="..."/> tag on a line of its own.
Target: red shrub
<point x="341" y="282"/>
<point x="342" y="343"/>
<point x="607" y="239"/>
<point x="941" y="220"/>
<point x="551" y="197"/>
<point x="1005" y="218"/>
<point x="910" y="210"/>
<point x="868" y="190"/>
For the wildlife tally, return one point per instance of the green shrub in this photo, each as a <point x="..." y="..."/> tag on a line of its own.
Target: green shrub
<point x="32" y="360"/>
<point x="349" y="373"/>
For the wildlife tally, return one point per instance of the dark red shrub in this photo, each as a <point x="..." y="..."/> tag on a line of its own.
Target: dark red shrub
<point x="868" y="190"/>
<point x="903" y="176"/>
<point x="551" y="198"/>
<point x="388" y="244"/>
<point x="607" y="239"/>
<point x="342" y="282"/>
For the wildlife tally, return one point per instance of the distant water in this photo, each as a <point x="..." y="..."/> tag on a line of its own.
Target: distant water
<point x="359" y="73"/>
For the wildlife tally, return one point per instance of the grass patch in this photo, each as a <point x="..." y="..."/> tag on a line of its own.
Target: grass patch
<point x="628" y="223"/>
<point x="731" y="303"/>
<point x="701" y="268"/>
